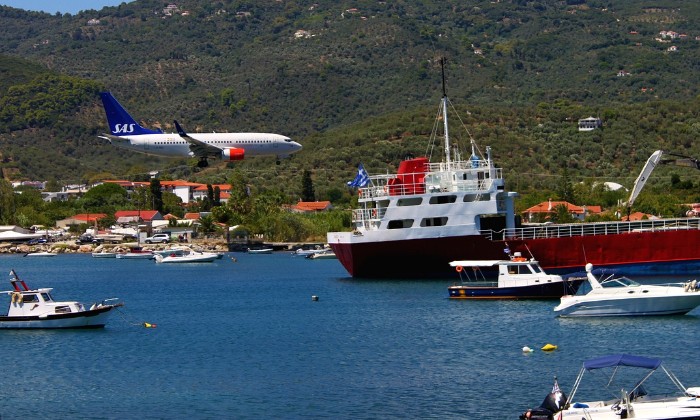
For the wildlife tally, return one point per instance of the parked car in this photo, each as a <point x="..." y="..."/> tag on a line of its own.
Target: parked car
<point x="88" y="239"/>
<point x="162" y="238"/>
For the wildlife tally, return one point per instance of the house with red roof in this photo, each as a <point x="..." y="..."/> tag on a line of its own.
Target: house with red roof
<point x="546" y="209"/>
<point x="311" y="206"/>
<point x="147" y="216"/>
<point x="80" y="219"/>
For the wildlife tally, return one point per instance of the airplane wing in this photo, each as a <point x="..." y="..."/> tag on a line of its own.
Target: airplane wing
<point x="197" y="147"/>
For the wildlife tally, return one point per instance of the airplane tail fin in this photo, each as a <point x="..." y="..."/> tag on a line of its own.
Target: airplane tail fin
<point x="120" y="122"/>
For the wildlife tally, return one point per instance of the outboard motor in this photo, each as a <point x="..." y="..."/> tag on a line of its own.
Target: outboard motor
<point x="553" y="403"/>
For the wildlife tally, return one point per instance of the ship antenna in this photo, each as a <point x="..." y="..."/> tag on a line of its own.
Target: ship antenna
<point x="443" y="60"/>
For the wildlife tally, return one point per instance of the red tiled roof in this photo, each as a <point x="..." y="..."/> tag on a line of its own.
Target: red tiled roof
<point x="146" y="215"/>
<point x="311" y="205"/>
<point x="89" y="217"/>
<point x="549" y="206"/>
<point x="191" y="216"/>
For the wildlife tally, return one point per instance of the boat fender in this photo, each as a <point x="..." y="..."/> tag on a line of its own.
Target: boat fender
<point x="459" y="268"/>
<point x="549" y="347"/>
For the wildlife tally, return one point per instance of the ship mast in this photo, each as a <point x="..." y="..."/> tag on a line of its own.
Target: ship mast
<point x="444" y="114"/>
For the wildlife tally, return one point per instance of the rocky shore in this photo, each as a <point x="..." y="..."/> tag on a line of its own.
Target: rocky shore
<point x="73" y="248"/>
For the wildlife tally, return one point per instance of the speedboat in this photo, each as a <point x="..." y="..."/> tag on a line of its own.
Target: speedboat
<point x="518" y="278"/>
<point x="625" y="394"/>
<point x="35" y="308"/>
<point x="323" y="255"/>
<point x="104" y="254"/>
<point x="136" y="254"/>
<point x="41" y="254"/>
<point x="621" y="296"/>
<point x="260" y="250"/>
<point x="188" y="256"/>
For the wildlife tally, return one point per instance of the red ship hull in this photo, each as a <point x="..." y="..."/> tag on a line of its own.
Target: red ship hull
<point x="649" y="252"/>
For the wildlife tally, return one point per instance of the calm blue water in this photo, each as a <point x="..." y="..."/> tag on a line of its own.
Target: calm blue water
<point x="245" y="340"/>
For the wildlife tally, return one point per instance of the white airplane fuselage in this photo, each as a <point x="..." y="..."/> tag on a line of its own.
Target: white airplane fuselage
<point x="254" y="144"/>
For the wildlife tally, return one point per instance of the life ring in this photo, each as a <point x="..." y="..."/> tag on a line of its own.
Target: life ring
<point x="16" y="297"/>
<point x="459" y="268"/>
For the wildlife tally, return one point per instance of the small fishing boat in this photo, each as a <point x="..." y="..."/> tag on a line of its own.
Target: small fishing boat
<point x="36" y="308"/>
<point x="188" y="256"/>
<point x="136" y="254"/>
<point x="621" y="296"/>
<point x="260" y="250"/>
<point x="104" y="254"/>
<point x="41" y="254"/>
<point x="323" y="255"/>
<point x="624" y="393"/>
<point x="518" y="278"/>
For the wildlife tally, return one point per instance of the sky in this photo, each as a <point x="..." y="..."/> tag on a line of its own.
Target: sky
<point x="63" y="6"/>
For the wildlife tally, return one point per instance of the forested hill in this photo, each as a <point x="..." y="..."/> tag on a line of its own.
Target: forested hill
<point x="342" y="77"/>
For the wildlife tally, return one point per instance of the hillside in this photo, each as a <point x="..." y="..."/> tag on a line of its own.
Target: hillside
<point x="355" y="81"/>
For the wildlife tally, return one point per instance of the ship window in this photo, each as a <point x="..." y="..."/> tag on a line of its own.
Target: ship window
<point x="433" y="221"/>
<point x="30" y="298"/>
<point x="46" y="297"/>
<point x="62" y="309"/>
<point x="414" y="201"/>
<point x="443" y="199"/>
<point x="468" y="198"/>
<point x="400" y="224"/>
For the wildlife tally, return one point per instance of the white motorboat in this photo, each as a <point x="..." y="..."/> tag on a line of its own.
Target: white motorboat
<point x="323" y="255"/>
<point x="41" y="254"/>
<point x="624" y="395"/>
<point x="104" y="254"/>
<point x="35" y="308"/>
<point x="188" y="256"/>
<point x="136" y="254"/>
<point x="301" y="252"/>
<point x="518" y="278"/>
<point x="260" y="250"/>
<point x="620" y="296"/>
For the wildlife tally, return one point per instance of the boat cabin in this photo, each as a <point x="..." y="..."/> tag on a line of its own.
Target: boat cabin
<point x="36" y="302"/>
<point x="513" y="272"/>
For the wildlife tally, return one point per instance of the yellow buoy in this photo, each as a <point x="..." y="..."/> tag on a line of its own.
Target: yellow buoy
<point x="549" y="347"/>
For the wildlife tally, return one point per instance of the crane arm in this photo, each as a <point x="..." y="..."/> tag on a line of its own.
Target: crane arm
<point x="655" y="159"/>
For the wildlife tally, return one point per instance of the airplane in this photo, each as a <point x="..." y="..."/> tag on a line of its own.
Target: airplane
<point x="126" y="133"/>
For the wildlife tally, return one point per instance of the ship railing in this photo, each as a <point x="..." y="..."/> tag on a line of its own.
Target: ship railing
<point x="367" y="215"/>
<point x="589" y="229"/>
<point x="434" y="181"/>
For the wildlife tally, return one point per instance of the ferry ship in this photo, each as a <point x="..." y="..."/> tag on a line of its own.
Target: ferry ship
<point x="414" y="222"/>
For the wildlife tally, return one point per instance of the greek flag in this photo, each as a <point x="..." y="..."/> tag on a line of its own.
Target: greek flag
<point x="362" y="178"/>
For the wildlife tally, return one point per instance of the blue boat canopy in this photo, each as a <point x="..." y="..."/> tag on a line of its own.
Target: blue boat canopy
<point x="621" y="360"/>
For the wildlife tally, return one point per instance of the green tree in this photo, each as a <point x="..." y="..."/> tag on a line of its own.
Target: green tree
<point x="156" y="195"/>
<point x="565" y="190"/>
<point x="103" y="196"/>
<point x="307" y="187"/>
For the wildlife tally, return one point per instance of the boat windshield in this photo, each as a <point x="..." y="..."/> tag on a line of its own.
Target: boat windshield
<point x="619" y="282"/>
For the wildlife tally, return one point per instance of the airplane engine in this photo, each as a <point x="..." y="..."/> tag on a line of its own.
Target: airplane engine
<point x="233" y="154"/>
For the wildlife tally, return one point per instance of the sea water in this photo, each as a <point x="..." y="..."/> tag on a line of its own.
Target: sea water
<point x="242" y="338"/>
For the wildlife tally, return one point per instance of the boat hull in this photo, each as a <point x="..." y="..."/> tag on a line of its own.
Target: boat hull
<point x="632" y="253"/>
<point x="572" y="306"/>
<point x="95" y="318"/>
<point x="553" y="290"/>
